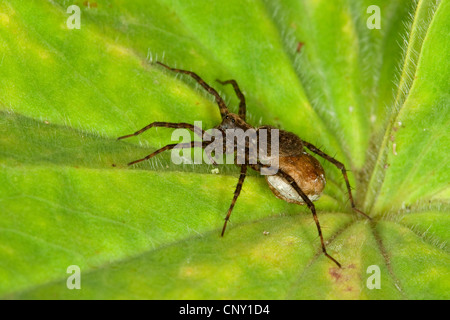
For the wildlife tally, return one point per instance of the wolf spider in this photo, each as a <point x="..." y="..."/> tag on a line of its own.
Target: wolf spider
<point x="300" y="178"/>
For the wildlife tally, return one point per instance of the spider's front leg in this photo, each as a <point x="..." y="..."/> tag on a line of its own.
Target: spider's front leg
<point x="240" y="95"/>
<point x="222" y="106"/>
<point x="198" y="131"/>
<point x="187" y="145"/>
<point x="171" y="125"/>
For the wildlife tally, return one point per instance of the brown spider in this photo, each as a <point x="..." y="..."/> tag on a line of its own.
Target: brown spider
<point x="300" y="178"/>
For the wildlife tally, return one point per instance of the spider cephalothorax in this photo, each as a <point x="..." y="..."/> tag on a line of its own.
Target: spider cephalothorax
<point x="299" y="177"/>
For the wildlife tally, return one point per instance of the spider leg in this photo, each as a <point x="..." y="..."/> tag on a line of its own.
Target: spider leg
<point x="236" y="195"/>
<point x="341" y="167"/>
<point x="222" y="106"/>
<point x="191" y="127"/>
<point x="313" y="210"/>
<point x="240" y="95"/>
<point x="191" y="144"/>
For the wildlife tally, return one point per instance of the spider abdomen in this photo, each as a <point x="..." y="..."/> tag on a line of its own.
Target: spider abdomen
<point x="301" y="174"/>
<point x="307" y="173"/>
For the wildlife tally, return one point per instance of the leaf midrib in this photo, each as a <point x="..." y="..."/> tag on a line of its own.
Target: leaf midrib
<point x="375" y="182"/>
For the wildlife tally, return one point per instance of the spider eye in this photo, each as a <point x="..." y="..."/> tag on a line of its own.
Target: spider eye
<point x="226" y="117"/>
<point x="232" y="120"/>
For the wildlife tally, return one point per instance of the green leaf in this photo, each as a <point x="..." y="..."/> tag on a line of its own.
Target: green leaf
<point x="375" y="99"/>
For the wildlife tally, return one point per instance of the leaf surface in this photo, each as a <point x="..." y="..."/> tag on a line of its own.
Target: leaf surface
<point x="376" y="99"/>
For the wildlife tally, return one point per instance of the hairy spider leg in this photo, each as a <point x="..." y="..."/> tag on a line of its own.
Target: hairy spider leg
<point x="305" y="198"/>
<point x="236" y="195"/>
<point x="313" y="210"/>
<point x="222" y="106"/>
<point x="191" y="127"/>
<point x="240" y="95"/>
<point x="242" y="110"/>
<point x="187" y="145"/>
<point x="340" y="166"/>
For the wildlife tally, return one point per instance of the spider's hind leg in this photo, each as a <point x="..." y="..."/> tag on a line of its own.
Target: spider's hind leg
<point x="313" y="210"/>
<point x="341" y="167"/>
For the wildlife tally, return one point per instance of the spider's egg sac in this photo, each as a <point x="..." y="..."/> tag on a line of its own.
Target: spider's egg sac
<point x="306" y="172"/>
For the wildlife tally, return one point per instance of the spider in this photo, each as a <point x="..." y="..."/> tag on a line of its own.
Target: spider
<point x="300" y="178"/>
